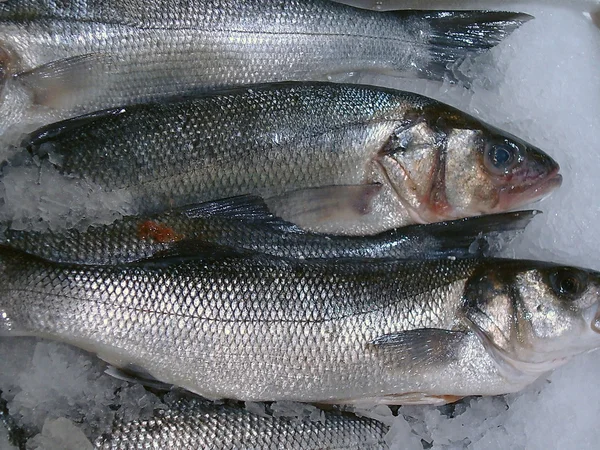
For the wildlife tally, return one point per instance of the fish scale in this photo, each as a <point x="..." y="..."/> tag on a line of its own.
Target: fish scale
<point x="194" y="423"/>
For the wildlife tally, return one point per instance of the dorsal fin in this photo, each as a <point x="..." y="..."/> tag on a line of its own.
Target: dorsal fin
<point x="248" y="208"/>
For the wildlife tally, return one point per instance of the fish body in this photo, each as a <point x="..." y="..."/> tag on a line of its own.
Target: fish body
<point x="69" y="58"/>
<point x="387" y="5"/>
<point x="256" y="328"/>
<point x="331" y="158"/>
<point x="245" y="223"/>
<point x="195" y="423"/>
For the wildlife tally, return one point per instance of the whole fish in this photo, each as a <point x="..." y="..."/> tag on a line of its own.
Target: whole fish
<point x="258" y="328"/>
<point x="246" y="223"/>
<point x="331" y="158"/>
<point x="61" y="59"/>
<point x="199" y="424"/>
<point x="389" y="5"/>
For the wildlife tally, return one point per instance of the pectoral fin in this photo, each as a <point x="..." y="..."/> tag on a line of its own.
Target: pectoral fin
<point x="311" y="207"/>
<point x="424" y="346"/>
<point x="56" y="83"/>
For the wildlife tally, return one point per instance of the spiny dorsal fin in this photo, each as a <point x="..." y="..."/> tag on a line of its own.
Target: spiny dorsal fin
<point x="248" y="208"/>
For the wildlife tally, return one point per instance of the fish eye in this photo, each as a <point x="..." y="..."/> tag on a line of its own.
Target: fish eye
<point x="501" y="157"/>
<point x="568" y="282"/>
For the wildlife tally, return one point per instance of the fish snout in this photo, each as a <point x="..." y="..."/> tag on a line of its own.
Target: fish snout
<point x="536" y="179"/>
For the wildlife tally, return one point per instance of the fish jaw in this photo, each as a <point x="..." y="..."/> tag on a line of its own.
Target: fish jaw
<point x="515" y="197"/>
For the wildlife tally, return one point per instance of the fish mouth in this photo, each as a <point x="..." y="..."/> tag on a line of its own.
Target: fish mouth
<point x="533" y="192"/>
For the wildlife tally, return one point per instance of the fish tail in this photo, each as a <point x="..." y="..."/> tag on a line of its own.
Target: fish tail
<point x="456" y="35"/>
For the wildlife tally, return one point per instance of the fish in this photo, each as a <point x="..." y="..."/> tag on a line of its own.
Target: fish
<point x="225" y="324"/>
<point x="245" y="223"/>
<point x="196" y="423"/>
<point x="62" y="59"/>
<point x="388" y="5"/>
<point x="331" y="158"/>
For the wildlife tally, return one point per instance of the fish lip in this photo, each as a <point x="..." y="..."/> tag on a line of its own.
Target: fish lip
<point x="533" y="192"/>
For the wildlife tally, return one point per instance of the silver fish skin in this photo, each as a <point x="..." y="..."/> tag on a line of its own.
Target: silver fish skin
<point x="390" y="5"/>
<point x="331" y="158"/>
<point x="84" y="55"/>
<point x="245" y="223"/>
<point x="194" y="423"/>
<point x="261" y="328"/>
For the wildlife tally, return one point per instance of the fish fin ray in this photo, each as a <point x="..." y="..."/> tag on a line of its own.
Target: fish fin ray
<point x="313" y="206"/>
<point x="240" y="207"/>
<point x="456" y="35"/>
<point x="55" y="84"/>
<point x="423" y="346"/>
<point x="247" y="208"/>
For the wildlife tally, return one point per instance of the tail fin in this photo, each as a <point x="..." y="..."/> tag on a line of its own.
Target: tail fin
<point x="455" y="35"/>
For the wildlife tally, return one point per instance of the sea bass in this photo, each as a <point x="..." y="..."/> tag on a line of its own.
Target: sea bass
<point x="389" y="5"/>
<point x="331" y="158"/>
<point x="61" y="59"/>
<point x="194" y="423"/>
<point x="259" y="328"/>
<point x="246" y="223"/>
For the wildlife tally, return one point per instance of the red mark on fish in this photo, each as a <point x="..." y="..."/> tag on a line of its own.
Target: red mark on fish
<point x="158" y="232"/>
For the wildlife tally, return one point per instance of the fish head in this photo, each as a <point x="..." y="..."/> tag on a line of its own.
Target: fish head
<point x="445" y="165"/>
<point x="533" y="316"/>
